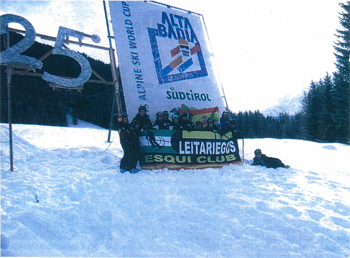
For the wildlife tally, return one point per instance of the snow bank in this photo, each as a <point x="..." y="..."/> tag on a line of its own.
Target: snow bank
<point x="67" y="198"/>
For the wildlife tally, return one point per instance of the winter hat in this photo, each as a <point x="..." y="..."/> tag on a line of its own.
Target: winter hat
<point x="142" y="108"/>
<point x="257" y="151"/>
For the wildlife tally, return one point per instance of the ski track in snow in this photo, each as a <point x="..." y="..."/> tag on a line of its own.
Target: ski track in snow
<point x="67" y="198"/>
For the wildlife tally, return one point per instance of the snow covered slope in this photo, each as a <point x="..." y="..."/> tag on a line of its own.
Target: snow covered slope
<point x="67" y="198"/>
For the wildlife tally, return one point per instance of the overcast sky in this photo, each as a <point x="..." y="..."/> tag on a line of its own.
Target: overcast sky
<point x="264" y="49"/>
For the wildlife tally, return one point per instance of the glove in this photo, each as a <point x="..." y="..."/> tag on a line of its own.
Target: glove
<point x="171" y="127"/>
<point x="156" y="127"/>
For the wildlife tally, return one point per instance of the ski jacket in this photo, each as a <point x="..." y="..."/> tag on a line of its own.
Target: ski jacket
<point x="141" y="122"/>
<point x="224" y="121"/>
<point x="125" y="134"/>
<point x="175" y="126"/>
<point x="186" y="125"/>
<point x="167" y="122"/>
<point x="131" y="146"/>
<point x="161" y="124"/>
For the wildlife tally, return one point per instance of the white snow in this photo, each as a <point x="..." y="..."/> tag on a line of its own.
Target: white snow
<point x="66" y="197"/>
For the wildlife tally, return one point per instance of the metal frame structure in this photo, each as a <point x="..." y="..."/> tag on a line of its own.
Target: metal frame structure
<point x="18" y="69"/>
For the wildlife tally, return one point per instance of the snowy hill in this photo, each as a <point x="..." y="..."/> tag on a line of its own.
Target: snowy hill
<point x="288" y="104"/>
<point x="67" y="198"/>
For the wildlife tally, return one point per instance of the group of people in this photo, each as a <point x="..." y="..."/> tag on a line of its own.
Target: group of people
<point x="184" y="121"/>
<point x="130" y="133"/>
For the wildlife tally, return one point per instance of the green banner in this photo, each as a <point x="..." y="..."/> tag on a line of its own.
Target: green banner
<point x="187" y="149"/>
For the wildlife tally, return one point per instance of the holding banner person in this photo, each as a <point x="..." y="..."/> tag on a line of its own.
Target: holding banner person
<point x="224" y="121"/>
<point x="185" y="123"/>
<point x="128" y="141"/>
<point x="235" y="134"/>
<point x="199" y="126"/>
<point x="211" y="126"/>
<point x="190" y="121"/>
<point x="166" y="120"/>
<point x="140" y="122"/>
<point x="160" y="123"/>
<point x="175" y="125"/>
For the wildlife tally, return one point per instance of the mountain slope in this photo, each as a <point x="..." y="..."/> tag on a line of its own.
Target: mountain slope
<point x="288" y="104"/>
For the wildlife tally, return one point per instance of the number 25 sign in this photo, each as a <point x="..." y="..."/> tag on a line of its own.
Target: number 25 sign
<point x="12" y="55"/>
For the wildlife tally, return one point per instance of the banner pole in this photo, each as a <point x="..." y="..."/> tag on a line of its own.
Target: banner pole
<point x="9" y="104"/>
<point x="9" y="75"/>
<point x="116" y="99"/>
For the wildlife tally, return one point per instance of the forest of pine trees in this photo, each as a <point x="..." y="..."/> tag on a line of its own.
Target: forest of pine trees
<point x="325" y="113"/>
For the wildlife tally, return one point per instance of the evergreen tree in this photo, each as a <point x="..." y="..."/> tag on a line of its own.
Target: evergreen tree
<point x="341" y="76"/>
<point x="312" y="111"/>
<point x="297" y="126"/>
<point x="326" y="124"/>
<point x="285" y="125"/>
<point x="272" y="128"/>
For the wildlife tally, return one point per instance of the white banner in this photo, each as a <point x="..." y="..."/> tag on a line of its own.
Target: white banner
<point x="164" y="58"/>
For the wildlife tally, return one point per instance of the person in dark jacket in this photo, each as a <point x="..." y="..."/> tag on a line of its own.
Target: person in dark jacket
<point x="224" y="121"/>
<point x="175" y="124"/>
<point x="166" y="120"/>
<point x="235" y="134"/>
<point x="199" y="126"/>
<point x="190" y="121"/>
<point x="185" y="124"/>
<point x="211" y="126"/>
<point x="128" y="139"/>
<point x="269" y="162"/>
<point x="159" y="123"/>
<point x="141" y="121"/>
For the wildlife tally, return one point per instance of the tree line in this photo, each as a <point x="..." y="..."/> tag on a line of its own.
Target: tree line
<point x="254" y="124"/>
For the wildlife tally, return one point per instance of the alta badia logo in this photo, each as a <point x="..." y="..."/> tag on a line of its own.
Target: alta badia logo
<point x="184" y="59"/>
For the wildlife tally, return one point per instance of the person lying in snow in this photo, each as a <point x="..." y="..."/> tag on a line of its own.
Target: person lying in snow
<point x="263" y="160"/>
